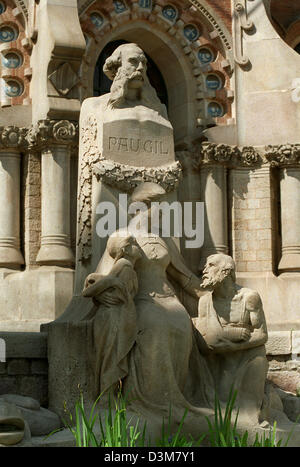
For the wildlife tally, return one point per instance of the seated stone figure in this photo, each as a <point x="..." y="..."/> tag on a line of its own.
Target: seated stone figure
<point x="161" y="364"/>
<point x="232" y="322"/>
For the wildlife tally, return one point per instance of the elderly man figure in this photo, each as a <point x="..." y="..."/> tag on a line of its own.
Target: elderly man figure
<point x="232" y="322"/>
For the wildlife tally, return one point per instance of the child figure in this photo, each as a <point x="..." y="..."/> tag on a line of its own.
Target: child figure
<point x="125" y="251"/>
<point x="114" y="323"/>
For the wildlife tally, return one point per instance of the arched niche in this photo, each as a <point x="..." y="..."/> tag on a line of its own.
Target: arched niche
<point x="173" y="65"/>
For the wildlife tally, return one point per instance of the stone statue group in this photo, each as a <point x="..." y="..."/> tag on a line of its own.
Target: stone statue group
<point x="145" y="342"/>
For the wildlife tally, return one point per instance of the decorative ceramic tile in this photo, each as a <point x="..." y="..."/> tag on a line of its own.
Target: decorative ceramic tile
<point x="7" y="34"/>
<point x="213" y="82"/>
<point x="191" y="32"/>
<point x="97" y="20"/>
<point x="13" y="88"/>
<point x="2" y="7"/>
<point x="120" y="6"/>
<point x="205" y="56"/>
<point x="147" y="4"/>
<point x="11" y="60"/>
<point x="170" y="13"/>
<point x="215" y="109"/>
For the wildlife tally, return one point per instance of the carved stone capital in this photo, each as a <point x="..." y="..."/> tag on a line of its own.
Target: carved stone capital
<point x="218" y="153"/>
<point x="12" y="137"/>
<point x="283" y="155"/>
<point x="49" y="132"/>
<point x="230" y="156"/>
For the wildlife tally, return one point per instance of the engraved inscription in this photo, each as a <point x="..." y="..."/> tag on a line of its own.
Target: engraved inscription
<point x="137" y="145"/>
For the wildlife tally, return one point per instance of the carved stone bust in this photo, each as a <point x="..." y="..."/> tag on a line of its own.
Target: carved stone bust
<point x="133" y="126"/>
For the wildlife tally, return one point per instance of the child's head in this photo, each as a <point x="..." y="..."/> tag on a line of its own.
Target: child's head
<point x="122" y="243"/>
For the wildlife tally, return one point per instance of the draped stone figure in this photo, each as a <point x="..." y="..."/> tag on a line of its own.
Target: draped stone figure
<point x="164" y="366"/>
<point x="114" y="326"/>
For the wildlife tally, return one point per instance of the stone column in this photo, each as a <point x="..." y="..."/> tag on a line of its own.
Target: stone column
<point x="55" y="138"/>
<point x="214" y="194"/>
<point x="55" y="239"/>
<point x="290" y="219"/>
<point x="190" y="191"/>
<point x="10" y="255"/>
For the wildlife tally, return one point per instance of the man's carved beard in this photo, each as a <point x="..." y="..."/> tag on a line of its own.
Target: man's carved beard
<point x="212" y="279"/>
<point x="136" y="74"/>
<point x="120" y="86"/>
<point x="119" y="90"/>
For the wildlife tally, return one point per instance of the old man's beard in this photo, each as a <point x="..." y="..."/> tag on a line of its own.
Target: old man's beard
<point x="210" y="280"/>
<point x="136" y="75"/>
<point x="120" y="85"/>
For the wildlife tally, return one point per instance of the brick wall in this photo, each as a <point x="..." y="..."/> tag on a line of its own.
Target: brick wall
<point x="223" y="9"/>
<point x="253" y="219"/>
<point x="31" y="195"/>
<point x="283" y="353"/>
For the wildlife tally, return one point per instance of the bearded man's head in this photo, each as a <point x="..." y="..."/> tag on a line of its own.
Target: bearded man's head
<point x="217" y="269"/>
<point x="127" y="68"/>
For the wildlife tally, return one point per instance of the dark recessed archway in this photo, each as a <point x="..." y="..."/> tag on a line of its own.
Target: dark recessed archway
<point x="297" y="48"/>
<point x="102" y="84"/>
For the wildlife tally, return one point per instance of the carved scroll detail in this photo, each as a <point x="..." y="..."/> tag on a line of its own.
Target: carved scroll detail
<point x="242" y="23"/>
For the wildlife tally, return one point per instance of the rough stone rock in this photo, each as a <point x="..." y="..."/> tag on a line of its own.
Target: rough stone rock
<point x="291" y="404"/>
<point x="12" y="424"/>
<point x="287" y="380"/>
<point x="21" y="401"/>
<point x="41" y="421"/>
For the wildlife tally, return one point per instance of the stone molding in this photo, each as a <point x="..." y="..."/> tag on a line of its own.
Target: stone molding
<point x="215" y="22"/>
<point x="66" y="132"/>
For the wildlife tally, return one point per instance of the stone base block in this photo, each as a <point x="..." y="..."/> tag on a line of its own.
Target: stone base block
<point x="30" y="298"/>
<point x="280" y="297"/>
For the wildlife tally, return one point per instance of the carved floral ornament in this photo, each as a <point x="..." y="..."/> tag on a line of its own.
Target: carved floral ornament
<point x="54" y="132"/>
<point x="39" y="135"/>
<point x="249" y="156"/>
